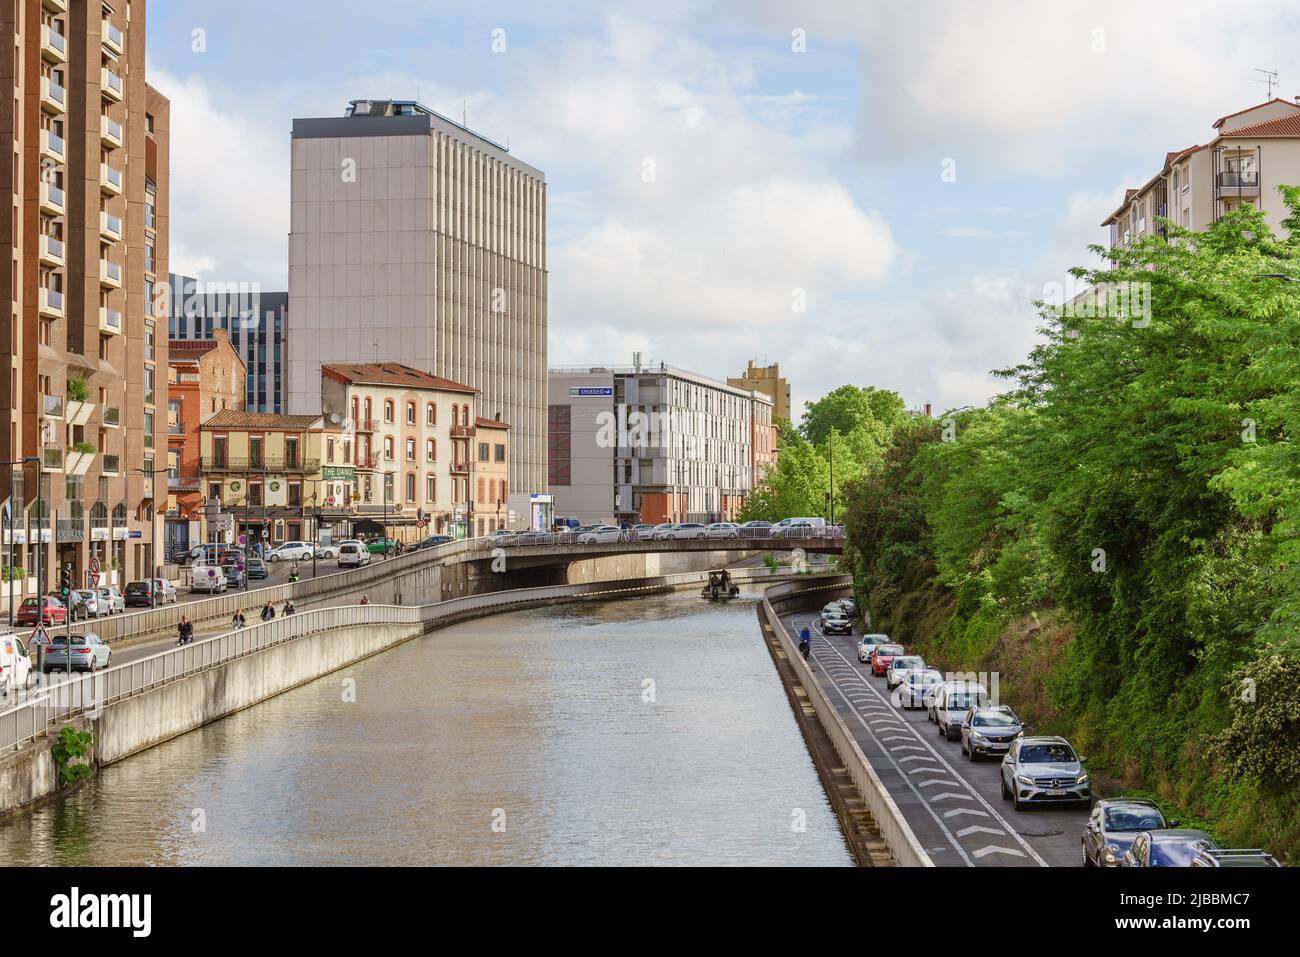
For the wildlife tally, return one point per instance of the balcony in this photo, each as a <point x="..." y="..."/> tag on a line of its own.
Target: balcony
<point x="462" y="431"/>
<point x="1234" y="183"/>
<point x="54" y="98"/>
<point x="51" y="459"/>
<point x="51" y="251"/>
<point x="112" y="417"/>
<point x="111" y="465"/>
<point x="78" y="413"/>
<point x="78" y="463"/>
<point x="55" y="6"/>
<point x="263" y="465"/>
<point x="459" y="468"/>
<point x="367" y="425"/>
<point x="110" y="180"/>
<point x="51" y="199"/>
<point x="54" y="46"/>
<point x="110" y="274"/>
<point x="110" y="321"/>
<point x="176" y="427"/>
<point x="110" y="84"/>
<point x="110" y="133"/>
<point x="51" y="305"/>
<point x="367" y="463"/>
<point x="53" y="147"/>
<point x="70" y="529"/>
<point x="110" y="227"/>
<point x="52" y="406"/>
<point x="111" y="38"/>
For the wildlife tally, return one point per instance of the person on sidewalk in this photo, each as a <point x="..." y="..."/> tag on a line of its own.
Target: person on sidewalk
<point x="288" y="607"/>
<point x="268" y="612"/>
<point x="185" y="631"/>
<point x="238" y="621"/>
<point x="365" y="599"/>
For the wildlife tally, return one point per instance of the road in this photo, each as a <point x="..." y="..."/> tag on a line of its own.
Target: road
<point x="953" y="805"/>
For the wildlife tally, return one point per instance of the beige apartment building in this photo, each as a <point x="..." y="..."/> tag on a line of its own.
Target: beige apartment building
<point x="414" y="240"/>
<point x="84" y="381"/>
<point x="407" y="447"/>
<point x="769" y="381"/>
<point x="1251" y="153"/>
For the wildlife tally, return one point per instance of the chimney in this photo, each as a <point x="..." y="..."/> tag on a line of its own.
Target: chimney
<point x="928" y="413"/>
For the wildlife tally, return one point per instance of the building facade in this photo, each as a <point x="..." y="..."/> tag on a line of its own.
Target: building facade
<point x="653" y="444"/>
<point x="415" y="240"/>
<point x="84" y="383"/>
<point x="255" y="322"/>
<point x="491" y="476"/>
<point x="408" y="445"/>
<point x="1251" y="153"/>
<point x="204" y="377"/>
<point x="769" y="381"/>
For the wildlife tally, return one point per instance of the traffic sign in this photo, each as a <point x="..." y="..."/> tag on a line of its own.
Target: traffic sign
<point x="94" y="565"/>
<point x="38" y="635"/>
<point x="421" y="523"/>
<point x="94" y="579"/>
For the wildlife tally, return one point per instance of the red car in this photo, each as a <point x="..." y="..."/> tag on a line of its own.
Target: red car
<point x="881" y="656"/>
<point x="54" y="612"/>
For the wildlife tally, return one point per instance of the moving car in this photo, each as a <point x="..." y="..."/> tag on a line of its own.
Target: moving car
<point x="381" y="546"/>
<point x="837" y="623"/>
<point x="834" y="608"/>
<point x="44" y="611"/>
<point x="849" y="605"/>
<point x="1113" y="825"/>
<point x="661" y="531"/>
<point x="139" y="594"/>
<point x="88" y="599"/>
<point x="951" y="701"/>
<point x="1170" y="847"/>
<point x="326" y="551"/>
<point x="600" y="534"/>
<point x="291" y="552"/>
<point x="797" y="527"/>
<point x="685" y="530"/>
<point x="881" y="656"/>
<point x="207" y="578"/>
<point x="501" y="534"/>
<point x="166" y="590"/>
<point x="1044" y="770"/>
<point x="353" y="554"/>
<point x="15" y="664"/>
<point x="112" y="600"/>
<point x="900" y="666"/>
<point x="916" y="686"/>
<point x="756" y="529"/>
<point x="88" y="652"/>
<point x="256" y="569"/>
<point x="236" y="575"/>
<point x="431" y="542"/>
<point x="868" y="645"/>
<point x="77" y="608"/>
<point x="989" y="730"/>
<point x="722" y="530"/>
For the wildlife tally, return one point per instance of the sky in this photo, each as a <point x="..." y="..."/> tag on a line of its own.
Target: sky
<point x="865" y="192"/>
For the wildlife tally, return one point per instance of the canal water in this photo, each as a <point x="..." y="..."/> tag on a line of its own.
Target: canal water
<point x="652" y="731"/>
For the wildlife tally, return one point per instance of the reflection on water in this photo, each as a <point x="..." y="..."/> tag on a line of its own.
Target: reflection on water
<point x="638" y="732"/>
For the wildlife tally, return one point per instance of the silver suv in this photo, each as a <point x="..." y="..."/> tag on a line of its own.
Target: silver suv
<point x="1044" y="770"/>
<point x="949" y="704"/>
<point x="989" y="731"/>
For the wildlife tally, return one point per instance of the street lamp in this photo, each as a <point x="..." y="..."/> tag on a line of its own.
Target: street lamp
<point x="9" y="573"/>
<point x="153" y="529"/>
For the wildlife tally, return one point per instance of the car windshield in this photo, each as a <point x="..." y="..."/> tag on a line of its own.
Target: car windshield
<point x="1133" y="817"/>
<point x="902" y="664"/>
<point x="888" y="651"/>
<point x="1045" y="753"/>
<point x="924" y="678"/>
<point x="1178" y="853"/>
<point x="136" y="588"/>
<point x="965" y="700"/>
<point x="994" y="719"/>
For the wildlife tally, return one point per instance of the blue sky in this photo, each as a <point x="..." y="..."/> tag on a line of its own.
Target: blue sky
<point x="779" y="175"/>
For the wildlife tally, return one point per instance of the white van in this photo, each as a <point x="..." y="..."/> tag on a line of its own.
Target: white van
<point x="797" y="527"/>
<point x="15" y="664"/>
<point x="208" y="578"/>
<point x="353" y="554"/>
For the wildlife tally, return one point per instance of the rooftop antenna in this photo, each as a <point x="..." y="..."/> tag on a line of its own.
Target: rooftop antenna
<point x="464" y="112"/>
<point x="1269" y="78"/>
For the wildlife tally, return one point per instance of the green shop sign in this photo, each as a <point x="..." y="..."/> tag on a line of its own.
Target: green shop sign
<point x="337" y="473"/>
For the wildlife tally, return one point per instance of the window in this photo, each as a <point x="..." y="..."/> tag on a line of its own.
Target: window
<point x="388" y="410"/>
<point x="148" y="385"/>
<point x="388" y="447"/>
<point x="430" y="488"/>
<point x="430" y="414"/>
<point x="255" y="451"/>
<point x="329" y="450"/>
<point x="500" y="452"/>
<point x="410" y="486"/>
<point x="368" y="410"/>
<point x="430" y="450"/>
<point x="455" y="414"/>
<point x="410" y="450"/>
<point x="347" y="451"/>
<point x="480" y="491"/>
<point x="295" y="493"/>
<point x="503" y="490"/>
<point x="214" y="491"/>
<point x="482" y="451"/>
<point x="410" y="413"/>
<point x="148" y="430"/>
<point x="464" y="415"/>
<point x="254" y="493"/>
<point x="148" y="339"/>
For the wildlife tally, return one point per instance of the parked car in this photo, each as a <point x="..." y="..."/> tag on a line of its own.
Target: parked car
<point x="236" y="575"/>
<point x="326" y="551"/>
<point x="77" y="608"/>
<point x="916" y="686"/>
<point x="353" y="554"/>
<point x="901" y="665"/>
<point x="15" y="664"/>
<point x="1044" y="770"/>
<point x="180" y="555"/>
<point x="1170" y="847"/>
<point x="989" y="730"/>
<point x="798" y="527"/>
<point x="837" y="623"/>
<point x="950" y="702"/>
<point x="868" y="645"/>
<point x="382" y="546"/>
<point x="881" y="656"/>
<point x="44" y="611"/>
<point x="255" y="569"/>
<point x="722" y="530"/>
<point x="112" y="600"/>
<point x="642" y="532"/>
<point x="88" y="652"/>
<point x="1235" y="857"/>
<point x="756" y="529"/>
<point x="431" y="542"/>
<point x="291" y="552"/>
<point x="501" y="534"/>
<point x="88" y="599"/>
<point x="208" y="554"/>
<point x="1113" y="825"/>
<point x="600" y="534"/>
<point x="683" y="531"/>
<point x="209" y="579"/>
<point x="661" y="531"/>
<point x="139" y="594"/>
<point x="166" y="590"/>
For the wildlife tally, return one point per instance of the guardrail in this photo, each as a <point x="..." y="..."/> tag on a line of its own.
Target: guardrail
<point x="893" y="827"/>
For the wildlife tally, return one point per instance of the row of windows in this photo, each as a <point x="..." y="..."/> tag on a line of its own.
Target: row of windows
<point x="459" y="413"/>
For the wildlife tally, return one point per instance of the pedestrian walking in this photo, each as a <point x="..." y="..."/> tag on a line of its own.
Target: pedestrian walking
<point x="268" y="612"/>
<point x="365" y="599"/>
<point x="238" y="621"/>
<point x="184" y="631"/>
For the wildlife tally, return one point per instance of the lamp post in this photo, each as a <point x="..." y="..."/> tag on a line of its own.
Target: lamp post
<point x="387" y="486"/>
<point x="153" y="530"/>
<point x="9" y="514"/>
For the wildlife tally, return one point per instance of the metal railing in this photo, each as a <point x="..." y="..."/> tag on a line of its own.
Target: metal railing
<point x="265" y="464"/>
<point x="1238" y="178"/>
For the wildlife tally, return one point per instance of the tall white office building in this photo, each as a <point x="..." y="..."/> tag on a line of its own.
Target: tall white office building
<point x="414" y="240"/>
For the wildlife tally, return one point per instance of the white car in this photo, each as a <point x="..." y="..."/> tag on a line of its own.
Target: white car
<point x="917" y="686"/>
<point x="601" y="533"/>
<point x="15" y="664"/>
<point x="899" y="667"/>
<point x="291" y="552"/>
<point x="798" y="527"/>
<point x="662" y="532"/>
<point x="722" y="530"/>
<point x="685" y="531"/>
<point x="327" y="551"/>
<point x="208" y="578"/>
<point x="869" y="642"/>
<point x="353" y="554"/>
<point x="166" y="591"/>
<point x="112" y="600"/>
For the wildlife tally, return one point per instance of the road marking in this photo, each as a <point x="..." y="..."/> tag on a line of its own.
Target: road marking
<point x="993" y="849"/>
<point x="951" y="794"/>
<point x="963" y="810"/>
<point x="980" y="829"/>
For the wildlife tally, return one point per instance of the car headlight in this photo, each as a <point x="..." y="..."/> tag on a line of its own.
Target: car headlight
<point x="1111" y="854"/>
<point x="1081" y="779"/>
<point x="1025" y="779"/>
<point x="976" y="736"/>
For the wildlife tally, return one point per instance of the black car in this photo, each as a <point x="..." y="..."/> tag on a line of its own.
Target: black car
<point x="1174" y="847"/>
<point x="138" y="594"/>
<point x="255" y="568"/>
<point x="1113" y="825"/>
<point x="837" y="625"/>
<point x="430" y="542"/>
